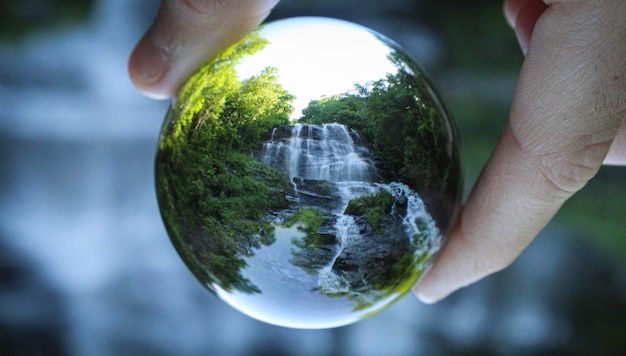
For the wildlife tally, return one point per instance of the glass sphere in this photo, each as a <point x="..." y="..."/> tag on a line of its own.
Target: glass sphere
<point x="308" y="174"/>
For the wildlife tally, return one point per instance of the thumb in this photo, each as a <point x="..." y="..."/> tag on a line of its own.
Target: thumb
<point x="186" y="34"/>
<point x="567" y="117"/>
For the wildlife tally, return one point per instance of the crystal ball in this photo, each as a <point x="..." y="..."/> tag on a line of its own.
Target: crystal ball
<point x="308" y="174"/>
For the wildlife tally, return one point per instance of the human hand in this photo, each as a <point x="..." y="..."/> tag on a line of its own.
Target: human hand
<point x="184" y="35"/>
<point x="567" y="116"/>
<point x="567" y="119"/>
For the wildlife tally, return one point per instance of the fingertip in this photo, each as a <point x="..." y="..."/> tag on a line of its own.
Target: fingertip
<point x="511" y="9"/>
<point x="425" y="299"/>
<point x="525" y="21"/>
<point x="425" y="295"/>
<point x="461" y="262"/>
<point x="430" y="289"/>
<point x="148" y="66"/>
<point x="419" y="293"/>
<point x="184" y="36"/>
<point x="617" y="152"/>
<point x="522" y="15"/>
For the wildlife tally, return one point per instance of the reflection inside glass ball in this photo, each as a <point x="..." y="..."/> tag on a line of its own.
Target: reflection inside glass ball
<point x="308" y="174"/>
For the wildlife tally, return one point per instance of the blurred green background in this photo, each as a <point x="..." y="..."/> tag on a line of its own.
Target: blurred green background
<point x="574" y="274"/>
<point x="477" y="43"/>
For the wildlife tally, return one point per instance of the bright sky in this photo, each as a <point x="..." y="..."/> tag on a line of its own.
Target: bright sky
<point x="317" y="57"/>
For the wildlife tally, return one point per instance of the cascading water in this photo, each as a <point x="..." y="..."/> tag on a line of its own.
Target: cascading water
<point x="329" y="153"/>
<point x="319" y="152"/>
<point x="78" y="210"/>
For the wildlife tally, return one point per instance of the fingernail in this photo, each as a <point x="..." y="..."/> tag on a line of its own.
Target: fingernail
<point x="510" y="9"/>
<point x="425" y="299"/>
<point x="526" y="20"/>
<point x="151" y="59"/>
<point x="522" y="39"/>
<point x="418" y="289"/>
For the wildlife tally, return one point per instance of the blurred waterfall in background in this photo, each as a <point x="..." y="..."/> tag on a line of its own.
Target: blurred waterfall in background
<point x="86" y="267"/>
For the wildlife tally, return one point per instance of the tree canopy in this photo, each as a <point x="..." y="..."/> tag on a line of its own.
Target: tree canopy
<point x="213" y="194"/>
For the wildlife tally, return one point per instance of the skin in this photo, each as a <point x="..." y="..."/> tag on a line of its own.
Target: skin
<point x="566" y="120"/>
<point x="185" y="35"/>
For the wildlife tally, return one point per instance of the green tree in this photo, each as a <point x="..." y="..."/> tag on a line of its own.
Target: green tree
<point x="259" y="105"/>
<point x="212" y="193"/>
<point x="342" y="108"/>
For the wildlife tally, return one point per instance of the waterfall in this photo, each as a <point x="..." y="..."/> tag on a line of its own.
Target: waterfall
<point x="79" y="219"/>
<point x="417" y="220"/>
<point x="322" y="153"/>
<point x="319" y="152"/>
<point x="325" y="153"/>
<point x="323" y="158"/>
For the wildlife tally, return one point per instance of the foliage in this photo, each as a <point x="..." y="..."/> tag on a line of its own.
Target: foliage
<point x="342" y="108"/>
<point x="400" y="120"/>
<point x="313" y="219"/>
<point x="213" y="194"/>
<point x="372" y="207"/>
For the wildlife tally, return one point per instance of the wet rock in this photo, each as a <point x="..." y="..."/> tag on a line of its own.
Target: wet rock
<point x="312" y="260"/>
<point x="319" y="193"/>
<point x="370" y="259"/>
